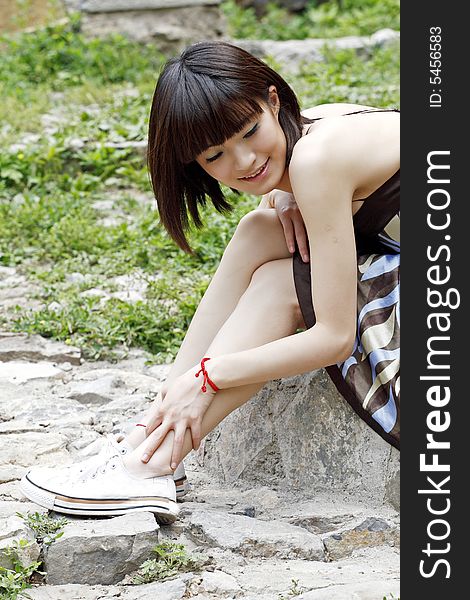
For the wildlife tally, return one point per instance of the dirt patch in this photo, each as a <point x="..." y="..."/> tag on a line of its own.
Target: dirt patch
<point x="16" y="15"/>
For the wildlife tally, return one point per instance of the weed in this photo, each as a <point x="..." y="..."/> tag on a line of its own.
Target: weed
<point x="14" y="581"/>
<point x="46" y="529"/>
<point x="326" y="20"/>
<point x="295" y="590"/>
<point x="172" y="559"/>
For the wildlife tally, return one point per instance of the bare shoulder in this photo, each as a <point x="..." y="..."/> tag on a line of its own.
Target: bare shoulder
<point x="335" y="108"/>
<point x="364" y="148"/>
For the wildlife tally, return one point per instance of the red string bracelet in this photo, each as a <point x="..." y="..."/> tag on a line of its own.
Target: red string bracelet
<point x="207" y="379"/>
<point x="140" y="425"/>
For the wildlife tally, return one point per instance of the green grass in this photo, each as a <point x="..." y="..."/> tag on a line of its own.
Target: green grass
<point x="49" y="227"/>
<point x="326" y="20"/>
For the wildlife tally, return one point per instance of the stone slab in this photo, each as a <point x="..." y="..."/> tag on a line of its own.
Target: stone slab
<point x="253" y="537"/>
<point x="102" y="6"/>
<point x="19" y="372"/>
<point x="101" y="552"/>
<point x="369" y="590"/>
<point x="36" y="348"/>
<point x="74" y="592"/>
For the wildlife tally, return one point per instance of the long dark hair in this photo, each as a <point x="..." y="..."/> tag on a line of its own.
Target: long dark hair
<point x="202" y="98"/>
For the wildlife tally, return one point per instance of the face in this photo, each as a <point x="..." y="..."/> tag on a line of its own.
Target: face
<point x="254" y="159"/>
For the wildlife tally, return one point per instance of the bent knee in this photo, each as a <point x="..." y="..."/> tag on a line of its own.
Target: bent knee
<point x="258" y="222"/>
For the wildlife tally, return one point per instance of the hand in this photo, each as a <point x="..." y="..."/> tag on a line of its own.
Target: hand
<point x="183" y="407"/>
<point x="291" y="221"/>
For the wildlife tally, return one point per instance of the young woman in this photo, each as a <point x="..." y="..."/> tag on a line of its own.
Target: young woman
<point x="320" y="254"/>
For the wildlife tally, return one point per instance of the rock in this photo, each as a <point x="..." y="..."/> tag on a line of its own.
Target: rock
<point x="300" y="434"/>
<point x="252" y="537"/>
<point x="171" y="24"/>
<point x="371" y="532"/>
<point x="18" y="371"/>
<point x="20" y="426"/>
<point x="292" y="54"/>
<point x="319" y="523"/>
<point x="74" y="592"/>
<point x="6" y="272"/>
<point x="130" y="296"/>
<point x="76" y="278"/>
<point x="270" y="578"/>
<point x="10" y="473"/>
<point x="369" y="590"/>
<point x="13" y="529"/>
<point x="54" y="307"/>
<point x="123" y="381"/>
<point x="35" y="348"/>
<point x="103" y="6"/>
<point x="392" y="486"/>
<point x="174" y="589"/>
<point x="8" y="509"/>
<point x="139" y="147"/>
<point x="49" y="410"/>
<point x="101" y="551"/>
<point x="220" y="584"/>
<point x="98" y="391"/>
<point x="260" y="5"/>
<point x="95" y="293"/>
<point x="30" y="448"/>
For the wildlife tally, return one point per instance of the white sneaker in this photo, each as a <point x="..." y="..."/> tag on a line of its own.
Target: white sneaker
<point x="107" y="490"/>
<point x="116" y="446"/>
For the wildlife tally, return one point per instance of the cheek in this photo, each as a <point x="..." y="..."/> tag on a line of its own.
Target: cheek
<point x="275" y="139"/>
<point x="221" y="172"/>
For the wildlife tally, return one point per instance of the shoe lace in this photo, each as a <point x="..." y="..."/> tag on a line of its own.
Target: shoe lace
<point x="92" y="473"/>
<point x="111" y="449"/>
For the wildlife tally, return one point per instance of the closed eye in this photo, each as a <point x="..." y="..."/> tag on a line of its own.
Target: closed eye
<point x="251" y="132"/>
<point x="248" y="134"/>
<point x="215" y="157"/>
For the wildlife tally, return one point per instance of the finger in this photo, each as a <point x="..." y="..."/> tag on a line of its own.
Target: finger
<point x="196" y="435"/>
<point x="154" y="441"/>
<point x="288" y="233"/>
<point x="176" y="455"/>
<point x="152" y="424"/>
<point x="302" y="240"/>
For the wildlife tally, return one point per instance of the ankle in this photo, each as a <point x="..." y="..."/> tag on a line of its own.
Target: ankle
<point x="145" y="470"/>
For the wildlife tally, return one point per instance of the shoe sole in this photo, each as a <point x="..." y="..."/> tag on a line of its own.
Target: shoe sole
<point x="164" y="509"/>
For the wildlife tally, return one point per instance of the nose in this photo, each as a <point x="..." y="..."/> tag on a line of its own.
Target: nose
<point x="245" y="159"/>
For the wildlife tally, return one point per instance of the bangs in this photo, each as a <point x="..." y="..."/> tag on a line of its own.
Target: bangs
<point x="206" y="113"/>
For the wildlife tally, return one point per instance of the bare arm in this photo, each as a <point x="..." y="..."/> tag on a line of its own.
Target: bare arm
<point x="291" y="220"/>
<point x="326" y="210"/>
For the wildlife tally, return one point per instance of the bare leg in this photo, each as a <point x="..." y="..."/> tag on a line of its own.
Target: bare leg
<point x="258" y="239"/>
<point x="268" y="310"/>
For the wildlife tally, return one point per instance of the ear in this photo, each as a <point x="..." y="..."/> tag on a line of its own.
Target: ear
<point x="273" y="100"/>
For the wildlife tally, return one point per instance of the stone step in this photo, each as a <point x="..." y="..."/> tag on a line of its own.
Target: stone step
<point x="101" y="551"/>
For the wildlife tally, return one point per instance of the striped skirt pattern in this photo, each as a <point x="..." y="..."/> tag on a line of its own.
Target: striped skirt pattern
<point x="370" y="378"/>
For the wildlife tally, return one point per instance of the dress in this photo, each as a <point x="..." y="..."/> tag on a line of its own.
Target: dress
<point x="369" y="380"/>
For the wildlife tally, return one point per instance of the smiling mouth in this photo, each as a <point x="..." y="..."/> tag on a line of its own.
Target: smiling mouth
<point x="257" y="173"/>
